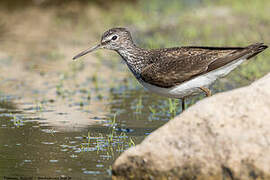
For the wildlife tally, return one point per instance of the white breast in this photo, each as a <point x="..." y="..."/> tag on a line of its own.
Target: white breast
<point x="191" y="87"/>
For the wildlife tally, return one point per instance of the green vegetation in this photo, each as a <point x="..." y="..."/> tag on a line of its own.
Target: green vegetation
<point x="109" y="143"/>
<point x="153" y="111"/>
<point x="16" y="120"/>
<point x="172" y="106"/>
<point x="139" y="105"/>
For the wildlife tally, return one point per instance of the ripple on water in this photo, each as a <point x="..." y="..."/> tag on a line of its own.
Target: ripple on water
<point x="73" y="156"/>
<point x="49" y="131"/>
<point x="47" y="143"/>
<point x="53" y="161"/>
<point x="99" y="165"/>
<point x="91" y="172"/>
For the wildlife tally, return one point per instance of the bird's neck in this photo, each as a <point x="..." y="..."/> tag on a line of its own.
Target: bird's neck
<point x="135" y="57"/>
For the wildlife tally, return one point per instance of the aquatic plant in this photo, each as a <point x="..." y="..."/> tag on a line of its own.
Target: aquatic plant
<point x="173" y="103"/>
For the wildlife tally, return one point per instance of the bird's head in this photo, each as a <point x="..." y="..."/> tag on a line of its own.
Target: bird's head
<point x="113" y="39"/>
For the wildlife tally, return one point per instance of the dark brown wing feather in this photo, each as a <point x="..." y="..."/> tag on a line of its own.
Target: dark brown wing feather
<point x="249" y="51"/>
<point x="176" y="65"/>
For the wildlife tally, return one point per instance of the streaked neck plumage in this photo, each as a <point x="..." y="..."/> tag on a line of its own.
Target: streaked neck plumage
<point x="135" y="57"/>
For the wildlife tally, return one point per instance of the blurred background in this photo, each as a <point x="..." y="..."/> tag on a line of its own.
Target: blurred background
<point x="60" y="117"/>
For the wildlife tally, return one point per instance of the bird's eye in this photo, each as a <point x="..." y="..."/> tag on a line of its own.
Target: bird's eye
<point x="114" y="37"/>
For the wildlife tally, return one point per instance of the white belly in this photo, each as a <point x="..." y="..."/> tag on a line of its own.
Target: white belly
<point x="191" y="87"/>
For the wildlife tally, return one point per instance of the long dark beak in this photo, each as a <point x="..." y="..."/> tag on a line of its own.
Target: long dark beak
<point x="87" y="51"/>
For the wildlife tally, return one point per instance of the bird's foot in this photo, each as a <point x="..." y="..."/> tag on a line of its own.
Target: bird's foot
<point x="206" y="91"/>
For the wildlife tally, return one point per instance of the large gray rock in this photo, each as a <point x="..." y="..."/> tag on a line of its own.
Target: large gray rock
<point x="226" y="136"/>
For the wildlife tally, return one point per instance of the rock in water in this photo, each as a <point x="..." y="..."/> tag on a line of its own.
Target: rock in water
<point x="226" y="136"/>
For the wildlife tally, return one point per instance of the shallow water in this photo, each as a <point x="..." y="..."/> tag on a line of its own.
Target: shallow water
<point x="32" y="146"/>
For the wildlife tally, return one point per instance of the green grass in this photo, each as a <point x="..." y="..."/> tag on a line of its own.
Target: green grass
<point x="16" y="120"/>
<point x="173" y="105"/>
<point x="107" y="143"/>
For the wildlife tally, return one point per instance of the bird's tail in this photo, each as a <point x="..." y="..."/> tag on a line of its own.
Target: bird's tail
<point x="255" y="49"/>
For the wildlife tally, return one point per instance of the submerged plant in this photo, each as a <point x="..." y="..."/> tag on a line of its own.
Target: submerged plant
<point x="109" y="143"/>
<point x="17" y="121"/>
<point x="139" y="105"/>
<point x="131" y="142"/>
<point x="153" y="111"/>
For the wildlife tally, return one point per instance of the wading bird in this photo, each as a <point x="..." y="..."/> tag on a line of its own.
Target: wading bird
<point x="177" y="72"/>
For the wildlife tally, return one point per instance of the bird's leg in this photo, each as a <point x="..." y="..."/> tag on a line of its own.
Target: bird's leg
<point x="183" y="104"/>
<point x="206" y="90"/>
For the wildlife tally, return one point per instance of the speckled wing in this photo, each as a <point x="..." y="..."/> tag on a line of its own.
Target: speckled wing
<point x="177" y="65"/>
